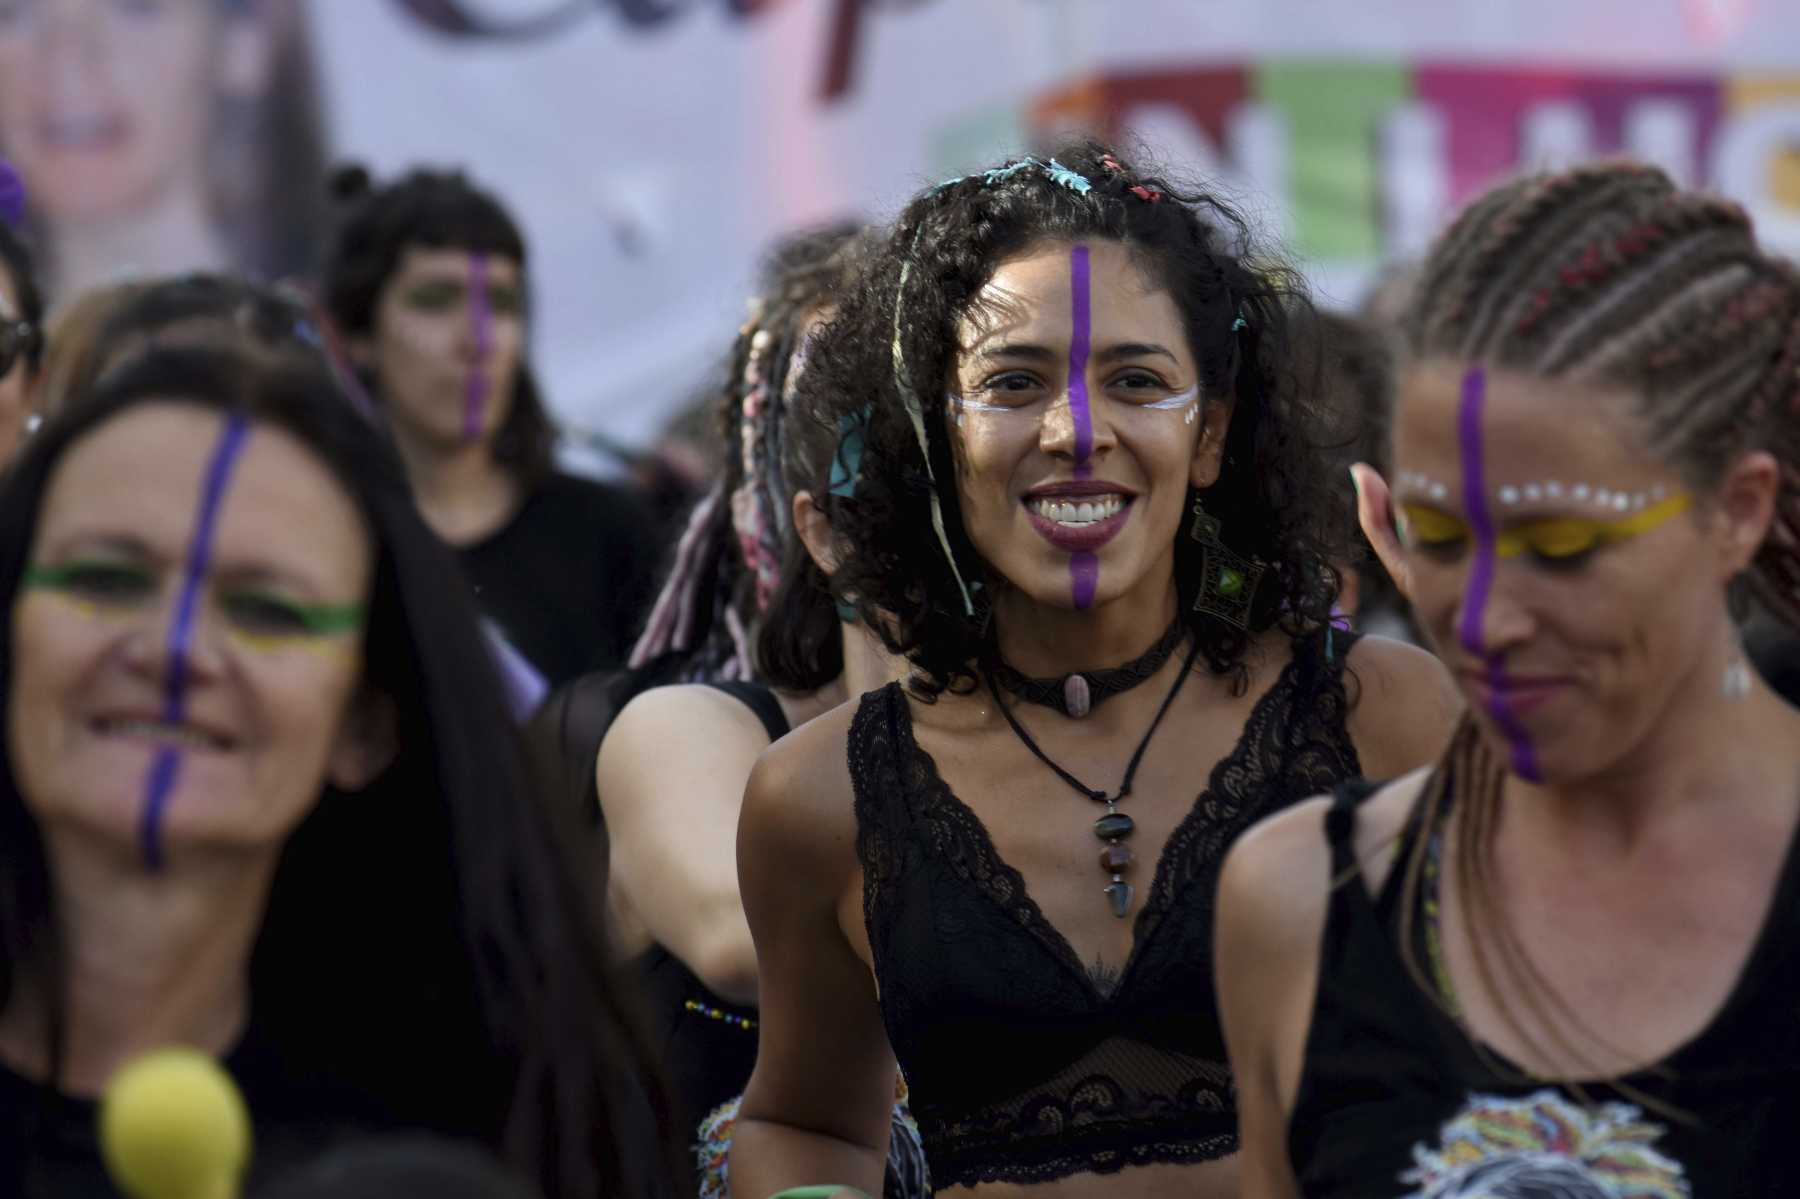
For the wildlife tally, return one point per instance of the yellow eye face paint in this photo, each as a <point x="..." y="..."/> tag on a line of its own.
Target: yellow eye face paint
<point x="256" y="619"/>
<point x="1554" y="538"/>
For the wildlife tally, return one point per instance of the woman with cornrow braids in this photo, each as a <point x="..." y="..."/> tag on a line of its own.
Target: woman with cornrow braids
<point x="1091" y="510"/>
<point x="1561" y="961"/>
<point x="743" y="644"/>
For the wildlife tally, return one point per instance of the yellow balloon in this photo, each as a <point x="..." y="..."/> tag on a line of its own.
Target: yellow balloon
<point x="173" y="1126"/>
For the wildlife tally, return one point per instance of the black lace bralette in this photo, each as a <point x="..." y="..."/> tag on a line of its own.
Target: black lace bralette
<point x="1024" y="1067"/>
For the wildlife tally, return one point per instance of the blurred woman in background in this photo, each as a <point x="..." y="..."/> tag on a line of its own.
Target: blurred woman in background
<point x="426" y="284"/>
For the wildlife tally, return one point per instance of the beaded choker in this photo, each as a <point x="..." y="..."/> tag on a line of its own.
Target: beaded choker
<point x="1075" y="695"/>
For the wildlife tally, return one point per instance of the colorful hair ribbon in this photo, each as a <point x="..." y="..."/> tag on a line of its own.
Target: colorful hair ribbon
<point x="915" y="412"/>
<point x="846" y="464"/>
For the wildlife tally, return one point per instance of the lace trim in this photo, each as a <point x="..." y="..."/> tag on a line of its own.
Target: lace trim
<point x="1293" y="745"/>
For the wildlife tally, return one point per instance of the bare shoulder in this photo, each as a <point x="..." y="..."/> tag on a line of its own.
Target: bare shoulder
<point x="799" y="802"/>
<point x="1278" y="876"/>
<point x="1286" y="859"/>
<point x="1405" y="706"/>
<point x="671" y="735"/>
<point x="1274" y="897"/>
<point x="690" y="711"/>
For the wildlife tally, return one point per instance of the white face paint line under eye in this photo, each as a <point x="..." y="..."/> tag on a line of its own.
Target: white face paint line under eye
<point x="959" y="405"/>
<point x="1189" y="399"/>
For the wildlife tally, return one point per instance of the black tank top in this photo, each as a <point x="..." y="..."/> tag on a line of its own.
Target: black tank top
<point x="1395" y="1101"/>
<point x="1021" y="1070"/>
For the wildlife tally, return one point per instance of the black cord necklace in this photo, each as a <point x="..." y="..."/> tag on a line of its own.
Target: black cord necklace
<point x="1075" y="695"/>
<point x="1114" y="826"/>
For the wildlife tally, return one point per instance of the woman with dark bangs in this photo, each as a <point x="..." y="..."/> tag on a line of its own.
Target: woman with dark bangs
<point x="426" y="283"/>
<point x="1091" y="509"/>
<point x="259" y="795"/>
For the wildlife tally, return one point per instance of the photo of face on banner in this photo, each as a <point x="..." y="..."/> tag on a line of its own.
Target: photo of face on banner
<point x="162" y="135"/>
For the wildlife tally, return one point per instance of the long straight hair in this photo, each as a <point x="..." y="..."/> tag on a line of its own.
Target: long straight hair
<point x="428" y="956"/>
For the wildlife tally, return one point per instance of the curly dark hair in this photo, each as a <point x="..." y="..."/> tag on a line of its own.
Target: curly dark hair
<point x="1275" y="496"/>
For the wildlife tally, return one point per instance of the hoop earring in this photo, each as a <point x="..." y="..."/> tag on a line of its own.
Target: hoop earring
<point x="1228" y="580"/>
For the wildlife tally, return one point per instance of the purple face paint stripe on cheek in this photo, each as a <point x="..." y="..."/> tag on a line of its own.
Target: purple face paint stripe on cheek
<point x="481" y="316"/>
<point x="1481" y="573"/>
<point x="1079" y="339"/>
<point x="167" y="764"/>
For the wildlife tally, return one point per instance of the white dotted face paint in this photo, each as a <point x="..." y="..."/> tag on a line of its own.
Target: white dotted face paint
<point x="1511" y="495"/>
<point x="1609" y="498"/>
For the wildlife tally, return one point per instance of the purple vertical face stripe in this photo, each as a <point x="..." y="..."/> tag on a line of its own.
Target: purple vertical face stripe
<point x="1081" y="303"/>
<point x="157" y="786"/>
<point x="481" y="316"/>
<point x="166" y="766"/>
<point x="1084" y="566"/>
<point x="1481" y="574"/>
<point x="1084" y="578"/>
<point x="1481" y="524"/>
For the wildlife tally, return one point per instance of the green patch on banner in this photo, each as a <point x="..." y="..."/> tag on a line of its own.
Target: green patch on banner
<point x="976" y="139"/>
<point x="1333" y="112"/>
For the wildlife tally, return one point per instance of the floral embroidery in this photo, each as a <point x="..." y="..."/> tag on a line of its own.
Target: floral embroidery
<point x="1545" y="1147"/>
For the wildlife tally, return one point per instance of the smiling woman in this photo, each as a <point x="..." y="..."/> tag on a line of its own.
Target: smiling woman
<point x="154" y="137"/>
<point x="1082" y="496"/>
<point x="259" y="794"/>
<point x="1562" y="961"/>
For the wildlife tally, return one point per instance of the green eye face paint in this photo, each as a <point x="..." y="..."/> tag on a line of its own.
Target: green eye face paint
<point x="264" y="615"/>
<point x="94" y="581"/>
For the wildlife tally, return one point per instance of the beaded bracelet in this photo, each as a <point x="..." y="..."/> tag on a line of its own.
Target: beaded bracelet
<point x="713" y="1013"/>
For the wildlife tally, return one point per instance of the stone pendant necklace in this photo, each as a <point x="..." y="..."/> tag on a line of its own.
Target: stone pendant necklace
<point x="1077" y="694"/>
<point x="1115" y="826"/>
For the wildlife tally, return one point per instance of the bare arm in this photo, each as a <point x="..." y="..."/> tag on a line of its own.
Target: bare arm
<point x="671" y="775"/>
<point x="1274" y="895"/>
<point x="1271" y="911"/>
<point x="1406" y="707"/>
<point x="817" y="1107"/>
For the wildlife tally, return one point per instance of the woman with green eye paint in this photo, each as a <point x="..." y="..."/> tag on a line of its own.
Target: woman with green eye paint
<point x="426" y="283"/>
<point x="1563" y="958"/>
<point x="260" y="795"/>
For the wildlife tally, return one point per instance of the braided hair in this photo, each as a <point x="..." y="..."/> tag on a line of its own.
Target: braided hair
<point x="1611" y="273"/>
<point x="1607" y="273"/>
<point x="743" y="598"/>
<point x="1275" y="498"/>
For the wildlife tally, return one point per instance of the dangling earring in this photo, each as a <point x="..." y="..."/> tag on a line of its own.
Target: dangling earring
<point x="1228" y="580"/>
<point x="1735" y="686"/>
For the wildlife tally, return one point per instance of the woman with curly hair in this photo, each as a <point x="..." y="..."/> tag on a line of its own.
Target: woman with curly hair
<point x="1561" y="961"/>
<point x="1090" y="510"/>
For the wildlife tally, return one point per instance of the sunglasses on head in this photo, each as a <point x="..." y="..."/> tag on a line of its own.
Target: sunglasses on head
<point x="18" y="339"/>
<point x="1556" y="539"/>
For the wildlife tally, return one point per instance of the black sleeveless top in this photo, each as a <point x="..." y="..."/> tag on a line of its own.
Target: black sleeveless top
<point x="1395" y="1101"/>
<point x="707" y="1044"/>
<point x="1021" y="1070"/>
